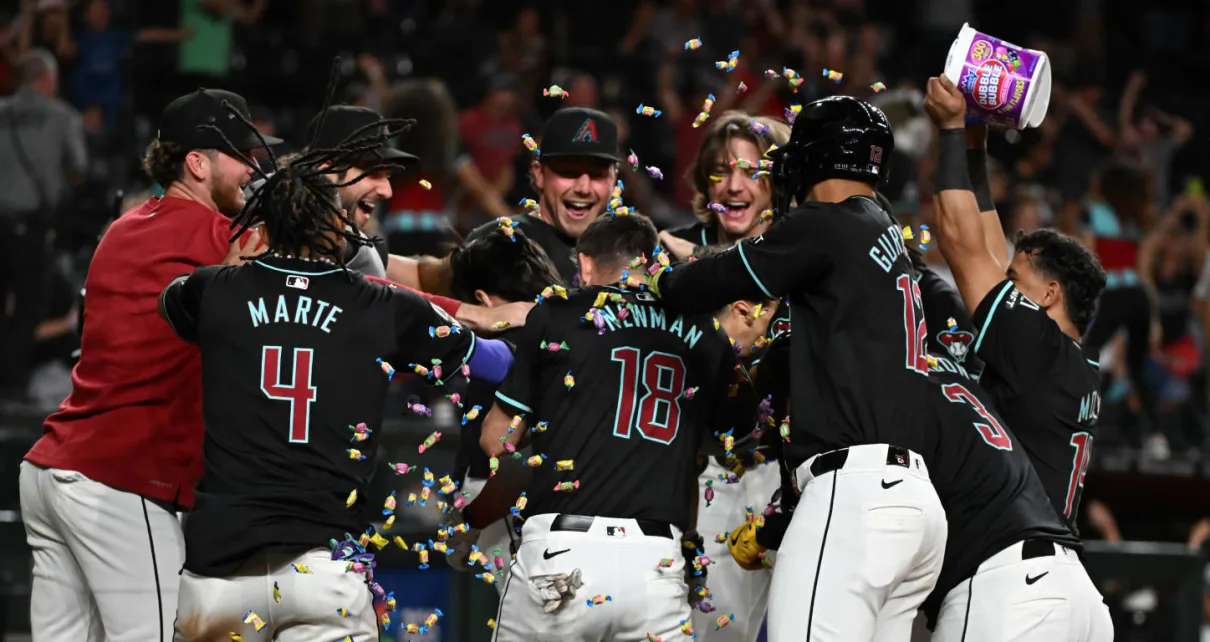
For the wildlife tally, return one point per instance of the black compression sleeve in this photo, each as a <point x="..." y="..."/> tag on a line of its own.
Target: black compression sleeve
<point x="951" y="161"/>
<point x="976" y="161"/>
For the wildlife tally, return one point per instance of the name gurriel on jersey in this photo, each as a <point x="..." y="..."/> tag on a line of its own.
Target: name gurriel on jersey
<point x="888" y="248"/>
<point x="653" y="318"/>
<point x="302" y="313"/>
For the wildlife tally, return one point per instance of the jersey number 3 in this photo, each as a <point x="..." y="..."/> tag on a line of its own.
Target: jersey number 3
<point x="299" y="392"/>
<point x="990" y="429"/>
<point x="662" y="377"/>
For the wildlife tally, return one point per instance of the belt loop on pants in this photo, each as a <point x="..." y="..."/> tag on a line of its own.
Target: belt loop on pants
<point x="1035" y="548"/>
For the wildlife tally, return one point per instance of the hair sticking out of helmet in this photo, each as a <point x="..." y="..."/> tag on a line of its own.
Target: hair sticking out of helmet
<point x="835" y="137"/>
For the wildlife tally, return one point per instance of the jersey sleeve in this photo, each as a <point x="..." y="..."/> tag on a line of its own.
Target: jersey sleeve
<point x="446" y="304"/>
<point x="419" y="326"/>
<point x="765" y="267"/>
<point x="181" y="303"/>
<point x="517" y="390"/>
<point x="1015" y="336"/>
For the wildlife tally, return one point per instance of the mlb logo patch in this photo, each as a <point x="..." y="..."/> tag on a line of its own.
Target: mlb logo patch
<point x="297" y="282"/>
<point x="615" y="531"/>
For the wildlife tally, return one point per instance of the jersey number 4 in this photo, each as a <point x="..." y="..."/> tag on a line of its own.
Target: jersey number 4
<point x="299" y="392"/>
<point x="913" y="325"/>
<point x="990" y="429"/>
<point x="662" y="376"/>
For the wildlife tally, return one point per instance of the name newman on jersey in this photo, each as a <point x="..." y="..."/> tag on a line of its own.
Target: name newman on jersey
<point x="638" y="316"/>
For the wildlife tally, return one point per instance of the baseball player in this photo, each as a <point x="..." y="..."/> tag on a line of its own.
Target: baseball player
<point x="574" y="173"/>
<point x="492" y="270"/>
<point x="296" y="355"/>
<point x="736" y="484"/>
<point x="1030" y="312"/>
<point x="867" y="539"/>
<point x="366" y="183"/>
<point x="100" y="490"/>
<point x="616" y="396"/>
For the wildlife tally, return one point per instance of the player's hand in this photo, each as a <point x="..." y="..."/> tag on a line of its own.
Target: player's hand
<point x="744" y="548"/>
<point x="249" y="245"/>
<point x="945" y="105"/>
<point x="678" y="247"/>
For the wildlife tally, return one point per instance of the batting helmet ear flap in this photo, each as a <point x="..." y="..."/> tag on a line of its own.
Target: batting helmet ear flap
<point x="786" y="176"/>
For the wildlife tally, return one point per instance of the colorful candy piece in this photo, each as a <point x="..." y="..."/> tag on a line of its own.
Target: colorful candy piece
<point x="388" y="506"/>
<point x="522" y="501"/>
<point x="633" y="159"/>
<point x="426" y="185"/>
<point x="489" y="578"/>
<point x="741" y="88"/>
<point x="420" y="409"/>
<point x="708" y="494"/>
<point x="400" y="469"/>
<point x="535" y="461"/>
<point x="784" y="429"/>
<point x="429" y="441"/>
<point x="276" y="593"/>
<point x="255" y="620"/>
<point x="530" y="143"/>
<point x="833" y="75"/>
<point x="302" y="568"/>
<point x="443" y="331"/>
<point x="551" y="346"/>
<point x="569" y="380"/>
<point x="950" y="323"/>
<point x="567" y="487"/>
<point x="541" y="426"/>
<point x="599" y="599"/>
<point x="360" y="433"/>
<point x="925" y="237"/>
<point x="877" y="87"/>
<point x="386" y="368"/>
<point x="723" y="620"/>
<point x="687" y="629"/>
<point x="555" y="91"/>
<point x="471" y="414"/>
<point x="236" y="637"/>
<point x="690" y="393"/>
<point x="565" y="464"/>
<point x="644" y="110"/>
<point x="758" y="128"/>
<point x="655" y="173"/>
<point x="352" y="499"/>
<point x="694" y="43"/>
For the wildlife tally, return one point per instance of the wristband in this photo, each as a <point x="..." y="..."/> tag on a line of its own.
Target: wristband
<point x="951" y="161"/>
<point x="976" y="161"/>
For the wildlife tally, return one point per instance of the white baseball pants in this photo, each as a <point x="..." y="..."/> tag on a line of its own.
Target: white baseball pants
<point x="732" y="589"/>
<point x="863" y="549"/>
<point x="615" y="559"/>
<point x="105" y="560"/>
<point x="1019" y="594"/>
<point x="328" y="603"/>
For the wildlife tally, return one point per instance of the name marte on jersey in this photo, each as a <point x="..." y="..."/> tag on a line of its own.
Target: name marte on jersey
<point x="888" y="248"/>
<point x="302" y="312"/>
<point x="653" y="318"/>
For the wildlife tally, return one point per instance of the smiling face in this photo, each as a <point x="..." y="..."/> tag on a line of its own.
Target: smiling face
<point x="361" y="198"/>
<point x="734" y="187"/>
<point x="574" y="190"/>
<point x="226" y="177"/>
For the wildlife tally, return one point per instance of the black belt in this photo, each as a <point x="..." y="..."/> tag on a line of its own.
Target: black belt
<point x="582" y="523"/>
<point x="1034" y="548"/>
<point x="835" y="460"/>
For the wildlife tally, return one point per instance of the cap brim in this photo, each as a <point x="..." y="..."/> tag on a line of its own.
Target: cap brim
<point x="392" y="154"/>
<point x="602" y="155"/>
<point x="252" y="141"/>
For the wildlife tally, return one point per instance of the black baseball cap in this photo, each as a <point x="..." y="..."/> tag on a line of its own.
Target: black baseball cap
<point x="341" y="121"/>
<point x="579" y="131"/>
<point x="183" y="122"/>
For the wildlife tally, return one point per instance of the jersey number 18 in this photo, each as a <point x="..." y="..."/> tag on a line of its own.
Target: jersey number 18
<point x="662" y="376"/>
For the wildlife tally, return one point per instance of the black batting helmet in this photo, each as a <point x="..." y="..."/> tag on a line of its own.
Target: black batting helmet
<point x="834" y="137"/>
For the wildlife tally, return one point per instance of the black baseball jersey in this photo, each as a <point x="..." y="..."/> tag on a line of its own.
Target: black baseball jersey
<point x="991" y="494"/>
<point x="558" y="246"/>
<point x="624" y="411"/>
<point x="1043" y="384"/>
<point x="289" y="368"/>
<point x="859" y="373"/>
<point x="697" y="233"/>
<point x="943" y="305"/>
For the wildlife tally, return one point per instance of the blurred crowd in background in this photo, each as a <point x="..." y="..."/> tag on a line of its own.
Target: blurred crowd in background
<point x="1117" y="159"/>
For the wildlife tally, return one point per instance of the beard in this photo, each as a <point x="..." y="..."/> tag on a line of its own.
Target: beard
<point x="228" y="198"/>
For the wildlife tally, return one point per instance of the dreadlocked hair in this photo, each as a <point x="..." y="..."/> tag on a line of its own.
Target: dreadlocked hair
<point x="298" y="204"/>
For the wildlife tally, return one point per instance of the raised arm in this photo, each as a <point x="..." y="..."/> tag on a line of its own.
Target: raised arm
<point x="976" y="161"/>
<point x="960" y="233"/>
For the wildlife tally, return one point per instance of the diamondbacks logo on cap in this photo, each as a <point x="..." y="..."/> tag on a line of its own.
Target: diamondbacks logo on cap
<point x="587" y="132"/>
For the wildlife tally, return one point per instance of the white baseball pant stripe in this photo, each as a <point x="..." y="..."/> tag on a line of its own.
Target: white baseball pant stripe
<point x="862" y="551"/>
<point x="621" y="564"/>
<point x="105" y="560"/>
<point x="732" y="589"/>
<point x="498" y="536"/>
<point x="1049" y="597"/>
<point x="311" y="607"/>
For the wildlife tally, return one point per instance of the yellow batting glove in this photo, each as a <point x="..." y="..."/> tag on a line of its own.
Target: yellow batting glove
<point x="744" y="548"/>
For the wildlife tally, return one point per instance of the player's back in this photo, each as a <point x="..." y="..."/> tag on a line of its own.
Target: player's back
<point x="628" y="406"/>
<point x="1045" y="386"/>
<point x="991" y="494"/>
<point x="290" y="367"/>
<point x="858" y="349"/>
